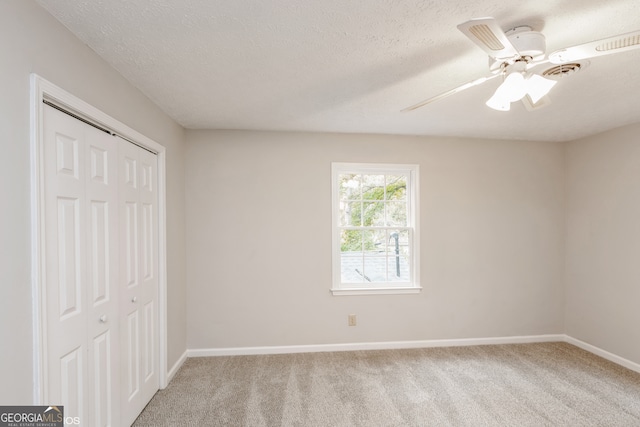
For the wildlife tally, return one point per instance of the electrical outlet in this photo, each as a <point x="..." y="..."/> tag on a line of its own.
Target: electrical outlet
<point x="352" y="320"/>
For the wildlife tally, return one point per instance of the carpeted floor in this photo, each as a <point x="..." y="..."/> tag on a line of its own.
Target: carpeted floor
<point x="548" y="384"/>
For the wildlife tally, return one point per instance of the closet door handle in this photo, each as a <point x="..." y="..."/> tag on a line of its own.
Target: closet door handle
<point x="103" y="318"/>
<point x="134" y="299"/>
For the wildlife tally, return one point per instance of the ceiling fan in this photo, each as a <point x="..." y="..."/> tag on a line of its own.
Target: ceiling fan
<point x="513" y="55"/>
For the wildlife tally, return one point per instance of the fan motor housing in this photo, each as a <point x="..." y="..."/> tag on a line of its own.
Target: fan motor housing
<point x="530" y="44"/>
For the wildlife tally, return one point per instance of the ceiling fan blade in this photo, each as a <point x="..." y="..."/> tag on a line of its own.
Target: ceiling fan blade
<point x="486" y="33"/>
<point x="615" y="44"/>
<point x="460" y="88"/>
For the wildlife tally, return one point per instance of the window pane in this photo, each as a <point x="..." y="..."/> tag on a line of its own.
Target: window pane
<point x="396" y="214"/>
<point x="373" y="187"/>
<point x="398" y="269"/>
<point x="350" y="214"/>
<point x="399" y="240"/>
<point x="396" y="186"/>
<point x="374" y="242"/>
<point x="351" y="242"/>
<point x="404" y="238"/>
<point x="373" y="214"/>
<point x="351" y="269"/>
<point x="375" y="269"/>
<point x="398" y="259"/>
<point x="349" y="186"/>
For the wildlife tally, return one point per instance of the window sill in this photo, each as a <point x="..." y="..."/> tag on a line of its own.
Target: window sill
<point x="375" y="291"/>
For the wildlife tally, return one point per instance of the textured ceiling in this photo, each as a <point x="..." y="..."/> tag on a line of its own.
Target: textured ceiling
<point x="351" y="66"/>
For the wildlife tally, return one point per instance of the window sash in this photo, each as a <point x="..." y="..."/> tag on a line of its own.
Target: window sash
<point x="387" y="259"/>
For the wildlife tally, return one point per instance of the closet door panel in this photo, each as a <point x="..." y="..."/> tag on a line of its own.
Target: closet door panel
<point x="101" y="235"/>
<point x="139" y="281"/>
<point x="64" y="142"/>
<point x="80" y="193"/>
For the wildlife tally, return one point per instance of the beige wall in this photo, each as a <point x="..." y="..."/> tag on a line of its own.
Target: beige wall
<point x="603" y="241"/>
<point x="32" y="41"/>
<point x="259" y="240"/>
<point x="493" y="220"/>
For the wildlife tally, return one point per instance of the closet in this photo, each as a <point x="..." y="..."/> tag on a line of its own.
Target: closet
<point x="101" y="271"/>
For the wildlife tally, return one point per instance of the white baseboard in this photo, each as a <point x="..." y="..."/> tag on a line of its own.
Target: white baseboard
<point x="176" y="366"/>
<point x="390" y="345"/>
<point x="603" y="353"/>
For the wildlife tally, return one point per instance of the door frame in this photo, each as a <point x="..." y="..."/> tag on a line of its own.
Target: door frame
<point x="42" y="90"/>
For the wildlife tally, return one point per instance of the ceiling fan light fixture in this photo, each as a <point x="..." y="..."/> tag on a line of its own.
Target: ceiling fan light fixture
<point x="498" y="103"/>
<point x="538" y="87"/>
<point x="513" y="88"/>
<point x="516" y="86"/>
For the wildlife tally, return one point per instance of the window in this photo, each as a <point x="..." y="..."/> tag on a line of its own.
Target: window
<point x="375" y="232"/>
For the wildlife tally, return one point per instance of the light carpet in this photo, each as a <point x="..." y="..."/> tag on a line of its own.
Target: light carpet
<point x="547" y="384"/>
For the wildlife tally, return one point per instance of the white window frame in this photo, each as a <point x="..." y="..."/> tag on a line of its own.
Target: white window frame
<point x="412" y="191"/>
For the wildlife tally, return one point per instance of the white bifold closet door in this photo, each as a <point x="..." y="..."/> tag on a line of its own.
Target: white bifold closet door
<point x="138" y="278"/>
<point x="100" y="273"/>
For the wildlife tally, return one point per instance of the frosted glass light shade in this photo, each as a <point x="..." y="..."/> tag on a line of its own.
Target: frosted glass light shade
<point x="512" y="89"/>
<point x="515" y="87"/>
<point x="498" y="103"/>
<point x="538" y="86"/>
